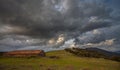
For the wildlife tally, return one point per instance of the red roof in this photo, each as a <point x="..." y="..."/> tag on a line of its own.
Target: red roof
<point x="24" y="52"/>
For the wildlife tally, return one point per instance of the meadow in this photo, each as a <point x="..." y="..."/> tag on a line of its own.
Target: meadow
<point x="57" y="60"/>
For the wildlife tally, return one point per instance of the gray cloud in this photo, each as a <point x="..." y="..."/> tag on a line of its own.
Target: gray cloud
<point x="44" y="20"/>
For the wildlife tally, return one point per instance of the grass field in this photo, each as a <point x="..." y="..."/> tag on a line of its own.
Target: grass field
<point x="57" y="60"/>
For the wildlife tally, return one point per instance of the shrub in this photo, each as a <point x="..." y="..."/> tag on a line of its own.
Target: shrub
<point x="54" y="57"/>
<point x="85" y="53"/>
<point x="116" y="58"/>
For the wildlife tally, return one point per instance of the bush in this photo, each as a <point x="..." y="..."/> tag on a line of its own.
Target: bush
<point x="54" y="57"/>
<point x="116" y="58"/>
<point x="1" y="53"/>
<point x="85" y="53"/>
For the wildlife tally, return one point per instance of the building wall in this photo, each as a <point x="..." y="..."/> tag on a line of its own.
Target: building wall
<point x="25" y="53"/>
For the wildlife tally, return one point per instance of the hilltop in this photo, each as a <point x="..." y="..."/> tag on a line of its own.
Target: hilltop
<point x="57" y="60"/>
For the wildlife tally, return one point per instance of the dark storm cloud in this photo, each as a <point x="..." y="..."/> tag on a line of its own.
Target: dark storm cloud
<point x="45" y="20"/>
<point x="41" y="17"/>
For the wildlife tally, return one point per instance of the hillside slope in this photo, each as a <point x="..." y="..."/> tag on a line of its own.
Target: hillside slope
<point x="57" y="60"/>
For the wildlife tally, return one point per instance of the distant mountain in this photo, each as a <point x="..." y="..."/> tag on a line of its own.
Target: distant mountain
<point x="108" y="53"/>
<point x="118" y="52"/>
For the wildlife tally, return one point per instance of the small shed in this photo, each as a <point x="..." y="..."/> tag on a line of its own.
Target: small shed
<point x="25" y="53"/>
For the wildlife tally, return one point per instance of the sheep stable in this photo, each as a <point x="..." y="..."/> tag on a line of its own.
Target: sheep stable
<point x="25" y="53"/>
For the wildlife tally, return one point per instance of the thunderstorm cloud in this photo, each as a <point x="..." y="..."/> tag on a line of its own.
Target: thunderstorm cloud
<point x="57" y="24"/>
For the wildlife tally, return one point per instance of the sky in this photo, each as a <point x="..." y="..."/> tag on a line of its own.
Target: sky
<point x="58" y="24"/>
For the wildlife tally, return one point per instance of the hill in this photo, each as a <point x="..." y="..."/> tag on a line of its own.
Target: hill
<point x="118" y="52"/>
<point x="95" y="53"/>
<point x="57" y="60"/>
<point x="107" y="53"/>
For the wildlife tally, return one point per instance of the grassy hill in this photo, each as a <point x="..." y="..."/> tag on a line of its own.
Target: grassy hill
<point x="57" y="60"/>
<point x="94" y="53"/>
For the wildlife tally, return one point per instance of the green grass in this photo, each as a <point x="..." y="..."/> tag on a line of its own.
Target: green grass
<point x="66" y="61"/>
